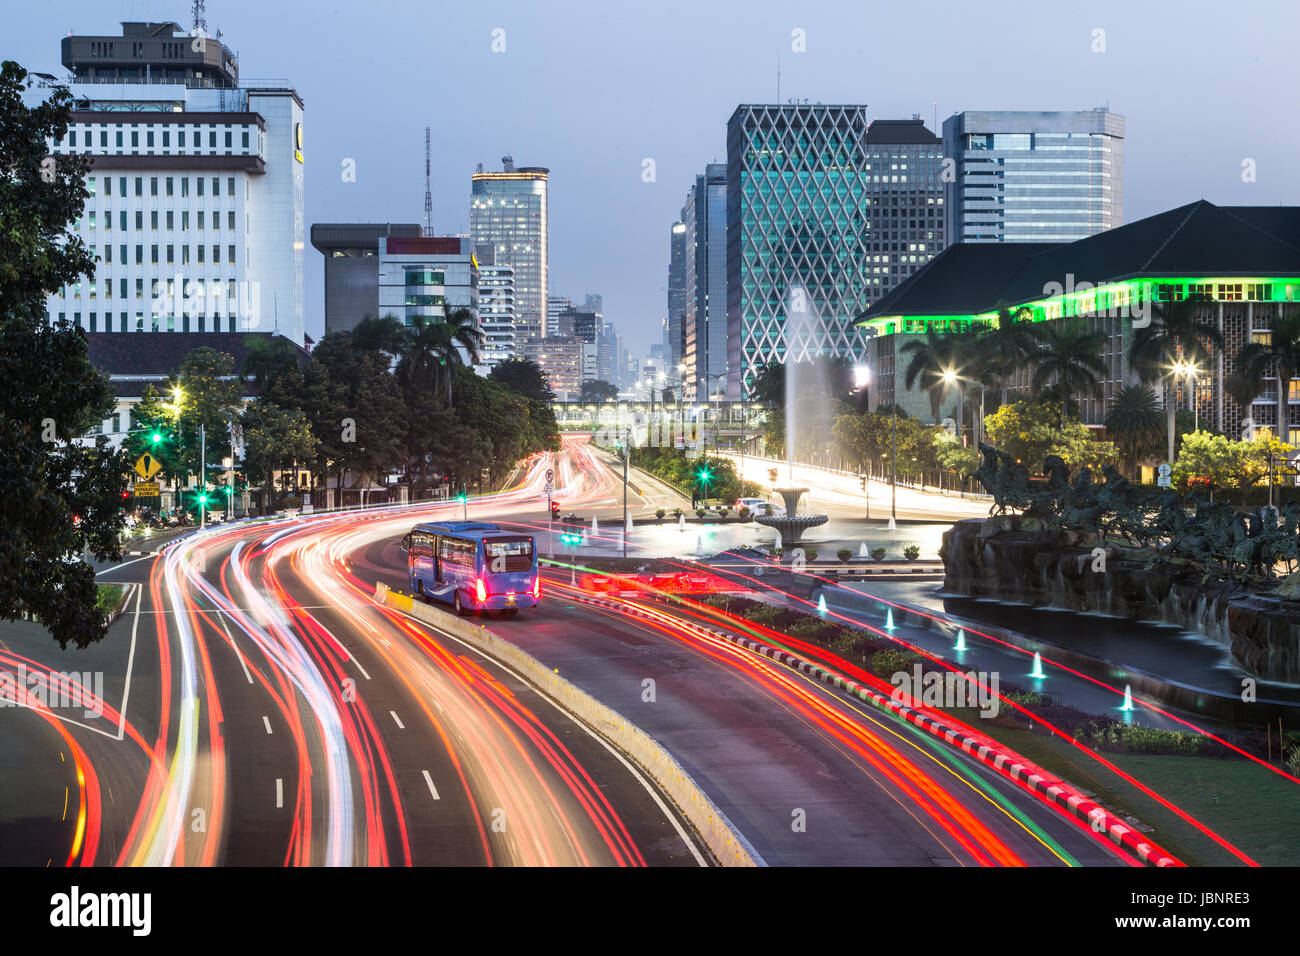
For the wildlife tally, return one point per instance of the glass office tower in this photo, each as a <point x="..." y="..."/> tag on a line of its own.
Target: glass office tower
<point x="508" y="210"/>
<point x="818" y="198"/>
<point x="1034" y="176"/>
<point x="705" y="321"/>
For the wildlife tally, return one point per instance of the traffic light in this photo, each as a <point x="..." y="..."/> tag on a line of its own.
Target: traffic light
<point x="863" y="480"/>
<point x="462" y="496"/>
<point x="572" y="537"/>
<point x="203" y="498"/>
<point x="703" y="475"/>
<point x="156" y="437"/>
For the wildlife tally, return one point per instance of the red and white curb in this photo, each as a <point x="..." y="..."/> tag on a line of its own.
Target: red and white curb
<point x="1054" y="791"/>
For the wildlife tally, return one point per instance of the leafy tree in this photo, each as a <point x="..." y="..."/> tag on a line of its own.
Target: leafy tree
<point x="152" y="415"/>
<point x="275" y="439"/>
<point x="953" y="456"/>
<point x="768" y="385"/>
<point x="210" y="395"/>
<point x="1030" y="431"/>
<point x="269" y="360"/>
<point x="59" y="498"/>
<point x="1279" y="355"/>
<point x="524" y="377"/>
<point x="598" y="390"/>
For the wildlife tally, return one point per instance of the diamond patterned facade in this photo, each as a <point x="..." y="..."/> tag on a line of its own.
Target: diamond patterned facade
<point x="820" y="198"/>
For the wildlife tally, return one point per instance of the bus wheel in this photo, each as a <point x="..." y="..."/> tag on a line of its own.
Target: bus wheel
<point x="460" y="608"/>
<point x="419" y="587"/>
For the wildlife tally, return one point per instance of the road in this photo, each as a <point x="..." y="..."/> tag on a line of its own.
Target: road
<point x="277" y="715"/>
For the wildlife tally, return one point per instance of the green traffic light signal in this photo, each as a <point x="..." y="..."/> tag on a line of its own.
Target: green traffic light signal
<point x="157" y="437"/>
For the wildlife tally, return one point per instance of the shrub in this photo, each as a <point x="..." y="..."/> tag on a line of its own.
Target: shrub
<point x="912" y="552"/>
<point x="108" y="597"/>
<point x="844" y="554"/>
<point x="743" y="513"/>
<point x="763" y="614"/>
<point x="291" y="501"/>
<point x="677" y="512"/>
<point x="878" y="554"/>
<point x="810" y="554"/>
<point x="659" y="512"/>
<point x="845" y="641"/>
<point x="722" y="512"/>
<point x="890" y="661"/>
<point x="700" y="512"/>
<point x="808" y="627"/>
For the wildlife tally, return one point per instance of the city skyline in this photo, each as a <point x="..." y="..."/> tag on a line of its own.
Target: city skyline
<point x="736" y="61"/>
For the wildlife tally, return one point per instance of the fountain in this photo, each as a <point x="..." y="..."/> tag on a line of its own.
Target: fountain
<point x="791" y="526"/>
<point x="801" y="328"/>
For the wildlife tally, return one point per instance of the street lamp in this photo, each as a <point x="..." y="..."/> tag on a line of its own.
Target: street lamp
<point x="952" y="378"/>
<point x="1188" y="370"/>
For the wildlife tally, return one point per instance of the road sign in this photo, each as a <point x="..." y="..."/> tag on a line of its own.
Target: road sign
<point x="1162" y="475"/>
<point x="146" y="489"/>
<point x="548" y="488"/>
<point x="550" y="476"/>
<point x="147" y="466"/>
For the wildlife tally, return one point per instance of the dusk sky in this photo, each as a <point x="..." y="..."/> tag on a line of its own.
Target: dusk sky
<point x="591" y="89"/>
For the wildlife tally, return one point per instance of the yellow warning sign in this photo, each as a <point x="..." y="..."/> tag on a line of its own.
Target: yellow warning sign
<point x="147" y="466"/>
<point x="146" y="489"/>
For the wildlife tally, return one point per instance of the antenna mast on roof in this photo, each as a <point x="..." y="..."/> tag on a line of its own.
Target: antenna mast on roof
<point x="428" y="192"/>
<point x="199" y="9"/>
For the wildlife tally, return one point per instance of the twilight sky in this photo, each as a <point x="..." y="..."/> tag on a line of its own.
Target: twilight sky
<point x="591" y="88"/>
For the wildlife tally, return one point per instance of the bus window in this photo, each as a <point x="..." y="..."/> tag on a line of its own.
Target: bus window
<point x="509" y="554"/>
<point x="457" y="551"/>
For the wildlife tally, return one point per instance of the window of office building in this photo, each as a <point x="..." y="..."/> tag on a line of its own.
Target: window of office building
<point x="139" y="185"/>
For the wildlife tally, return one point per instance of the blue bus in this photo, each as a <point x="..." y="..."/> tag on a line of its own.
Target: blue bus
<point x="473" y="565"/>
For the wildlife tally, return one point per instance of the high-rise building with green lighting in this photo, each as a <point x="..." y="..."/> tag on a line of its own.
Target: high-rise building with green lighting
<point x="823" y="199"/>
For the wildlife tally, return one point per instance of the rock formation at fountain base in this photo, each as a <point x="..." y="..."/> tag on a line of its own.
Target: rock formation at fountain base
<point x="1015" y="559"/>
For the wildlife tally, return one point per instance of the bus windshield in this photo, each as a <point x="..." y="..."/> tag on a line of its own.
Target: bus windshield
<point x="508" y="554"/>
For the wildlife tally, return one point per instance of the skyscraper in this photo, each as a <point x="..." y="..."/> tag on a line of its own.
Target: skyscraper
<point x="1032" y="176"/>
<point x="508" y="209"/>
<point x="826" y="211"/>
<point x="676" y="296"/>
<point x="195" y="207"/>
<point x="705" y="323"/>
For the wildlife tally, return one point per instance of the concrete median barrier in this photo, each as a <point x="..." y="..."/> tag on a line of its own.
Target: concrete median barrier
<point x="727" y="845"/>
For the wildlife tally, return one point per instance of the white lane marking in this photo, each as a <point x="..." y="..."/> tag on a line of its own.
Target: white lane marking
<point x="640" y="778"/>
<point x="397" y="720"/>
<point x="266" y="721"/>
<point x="432" y="789"/>
<point x="279" y="792"/>
<point x="130" y="661"/>
<point x="230" y="639"/>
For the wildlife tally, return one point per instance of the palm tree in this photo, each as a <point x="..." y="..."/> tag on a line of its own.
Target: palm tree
<point x="932" y="357"/>
<point x="1006" y="347"/>
<point x="376" y="334"/>
<point x="1280" y="353"/>
<point x="1069" y="357"/>
<point x="1175" y="332"/>
<point x="433" y="349"/>
<point x="1134" y="419"/>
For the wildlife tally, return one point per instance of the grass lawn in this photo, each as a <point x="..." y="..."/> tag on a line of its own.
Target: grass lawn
<point x="1244" y="803"/>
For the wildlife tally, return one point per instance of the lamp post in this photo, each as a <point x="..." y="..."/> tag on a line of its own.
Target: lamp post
<point x="952" y="378"/>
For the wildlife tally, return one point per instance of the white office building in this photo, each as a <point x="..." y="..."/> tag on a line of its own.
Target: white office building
<point x="195" y="213"/>
<point x="496" y="306"/>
